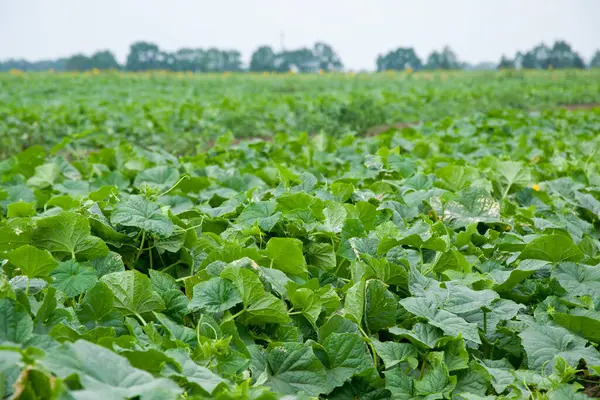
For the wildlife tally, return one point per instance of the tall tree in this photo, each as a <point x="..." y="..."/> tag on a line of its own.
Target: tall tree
<point x="78" y="62"/>
<point x="144" y="56"/>
<point x="563" y="56"/>
<point x="263" y="60"/>
<point x="104" y="59"/>
<point x="326" y="57"/>
<point x="595" y="62"/>
<point x="301" y="60"/>
<point x="506" y="63"/>
<point x="399" y="59"/>
<point x="446" y="59"/>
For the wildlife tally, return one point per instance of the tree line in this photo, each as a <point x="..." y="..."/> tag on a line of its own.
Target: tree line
<point x="145" y="56"/>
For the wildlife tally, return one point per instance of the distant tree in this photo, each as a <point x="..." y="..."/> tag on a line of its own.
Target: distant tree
<point x="537" y="58"/>
<point x="144" y="56"/>
<point x="78" y="62"/>
<point x="189" y="60"/>
<point x="104" y="59"/>
<point x="506" y="63"/>
<point x="301" y="60"/>
<point x="399" y="59"/>
<point x="563" y="56"/>
<point x="232" y="61"/>
<point x="263" y="60"/>
<point x="446" y="59"/>
<point x="326" y="57"/>
<point x="595" y="62"/>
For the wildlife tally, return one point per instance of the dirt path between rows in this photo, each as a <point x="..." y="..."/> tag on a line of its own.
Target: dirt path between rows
<point x="376" y="130"/>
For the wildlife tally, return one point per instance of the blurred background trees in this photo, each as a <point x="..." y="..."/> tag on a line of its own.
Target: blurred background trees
<point x="146" y="56"/>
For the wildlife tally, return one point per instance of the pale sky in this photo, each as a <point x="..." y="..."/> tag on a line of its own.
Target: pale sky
<point x="477" y="30"/>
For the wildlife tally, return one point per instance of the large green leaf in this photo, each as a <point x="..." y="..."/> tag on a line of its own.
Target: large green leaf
<point x="144" y="214"/>
<point x="544" y="344"/>
<point x="553" y="248"/>
<point x="347" y="355"/>
<point x="214" y="295"/>
<point x="15" y="323"/>
<point x="450" y="323"/>
<point x="32" y="261"/>
<point x="67" y="235"/>
<point x="286" y="255"/>
<point x="133" y="292"/>
<point x="105" y="374"/>
<point x="73" y="278"/>
<point x="293" y="368"/>
<point x="160" y="178"/>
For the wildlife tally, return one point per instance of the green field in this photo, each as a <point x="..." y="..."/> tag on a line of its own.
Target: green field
<point x="148" y="251"/>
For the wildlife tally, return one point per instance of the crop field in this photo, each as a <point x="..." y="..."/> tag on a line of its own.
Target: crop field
<point x="346" y="236"/>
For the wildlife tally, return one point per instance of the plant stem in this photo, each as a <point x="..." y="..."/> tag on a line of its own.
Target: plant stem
<point x="142" y="320"/>
<point x="139" y="253"/>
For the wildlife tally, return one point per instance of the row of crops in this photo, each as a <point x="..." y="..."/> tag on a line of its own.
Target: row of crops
<point x="146" y="253"/>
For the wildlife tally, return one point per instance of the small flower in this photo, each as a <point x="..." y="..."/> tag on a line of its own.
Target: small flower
<point x="536" y="187"/>
<point x="409" y="70"/>
<point x="321" y="72"/>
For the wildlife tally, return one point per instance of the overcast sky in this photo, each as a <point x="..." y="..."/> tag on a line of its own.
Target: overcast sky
<point x="478" y="30"/>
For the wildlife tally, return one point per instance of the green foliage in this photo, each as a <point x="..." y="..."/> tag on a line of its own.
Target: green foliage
<point x="458" y="259"/>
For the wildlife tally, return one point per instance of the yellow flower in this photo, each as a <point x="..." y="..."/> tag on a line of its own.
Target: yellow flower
<point x="51" y="70"/>
<point x="536" y="187"/>
<point x="409" y="70"/>
<point x="16" y="72"/>
<point x="321" y="72"/>
<point x="550" y="67"/>
<point x="95" y="71"/>
<point x="226" y="73"/>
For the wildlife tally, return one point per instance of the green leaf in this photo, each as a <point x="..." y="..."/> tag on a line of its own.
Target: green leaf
<point x="578" y="279"/>
<point x="461" y="299"/>
<point x="393" y="353"/>
<point x="261" y="213"/>
<point x="354" y="305"/>
<point x="321" y="255"/>
<point x="422" y="335"/>
<point x="133" y="292"/>
<point x="286" y="255"/>
<point x="380" y="306"/>
<point x="455" y="354"/>
<point x="267" y="309"/>
<point x="436" y="382"/>
<point x="21" y="209"/>
<point x="112" y="262"/>
<point x="104" y="374"/>
<point x="67" y="235"/>
<point x="15" y="323"/>
<point x="97" y="305"/>
<point x="544" y="344"/>
<point x="45" y="176"/>
<point x="450" y="323"/>
<point x="456" y="177"/>
<point x="553" y="248"/>
<point x="144" y="214"/>
<point x="32" y="261"/>
<point x="347" y="355"/>
<point x="585" y="322"/>
<point x="247" y="283"/>
<point x="400" y="385"/>
<point x="193" y="373"/>
<point x="214" y="295"/>
<point x="293" y="368"/>
<point x="160" y="178"/>
<point x="307" y="302"/>
<point x="73" y="278"/>
<point x="473" y="204"/>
